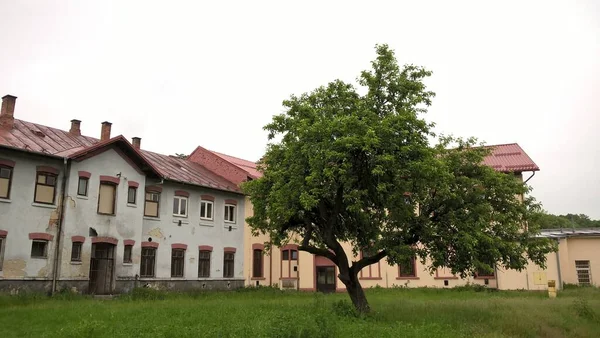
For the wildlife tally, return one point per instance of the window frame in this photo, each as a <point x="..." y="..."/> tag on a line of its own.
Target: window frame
<point x="145" y="266"/>
<point x="413" y="264"/>
<point x="228" y="205"/>
<point x="87" y="185"/>
<point x="228" y="272"/>
<point x="129" y="190"/>
<point x="204" y="260"/>
<point x="587" y="269"/>
<point x="146" y="201"/>
<point x="46" y="175"/>
<point x="2" y="245"/>
<point x="127" y="257"/>
<point x="79" y="246"/>
<point x="114" y="197"/>
<point x="258" y="270"/>
<point x="181" y="198"/>
<point x="212" y="210"/>
<point x="10" y="177"/>
<point x="45" y="254"/>
<point x="180" y="259"/>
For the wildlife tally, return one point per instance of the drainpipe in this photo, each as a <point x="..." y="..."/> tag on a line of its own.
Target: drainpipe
<point x="60" y="222"/>
<point x="559" y="286"/>
<point x="530" y="177"/>
<point x="271" y="266"/>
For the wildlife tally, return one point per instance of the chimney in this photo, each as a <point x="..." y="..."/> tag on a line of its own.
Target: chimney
<point x="105" y="133"/>
<point x="7" y="114"/>
<point x="75" y="127"/>
<point x="137" y="142"/>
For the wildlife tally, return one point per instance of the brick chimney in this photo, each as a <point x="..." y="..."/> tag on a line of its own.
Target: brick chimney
<point x="75" y="127"/>
<point x="105" y="133"/>
<point x="137" y="142"/>
<point x="7" y="114"/>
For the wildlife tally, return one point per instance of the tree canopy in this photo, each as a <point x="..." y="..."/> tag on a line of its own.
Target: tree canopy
<point x="549" y="221"/>
<point x="355" y="164"/>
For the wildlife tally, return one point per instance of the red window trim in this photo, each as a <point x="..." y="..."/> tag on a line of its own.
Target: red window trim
<point x="133" y="184"/>
<point x="149" y="244"/>
<point x="129" y="242"/>
<point x="84" y="174"/>
<point x="207" y="198"/>
<point x="110" y="179"/>
<point x="230" y="201"/>
<point x="179" y="246"/>
<point x="229" y="249"/>
<point x="41" y="235"/>
<point x="46" y="169"/>
<point x="3" y="233"/>
<point x="153" y="188"/>
<point x="362" y="275"/>
<point x="110" y="240"/>
<point x="7" y="163"/>
<point x="182" y="193"/>
<point x="258" y="246"/>
<point x="289" y="247"/>
<point x="205" y="248"/>
<point x="77" y="239"/>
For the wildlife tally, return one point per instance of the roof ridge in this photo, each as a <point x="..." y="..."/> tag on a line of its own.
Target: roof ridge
<point x="239" y="158"/>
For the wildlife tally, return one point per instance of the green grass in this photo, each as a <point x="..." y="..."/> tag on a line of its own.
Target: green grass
<point x="272" y="313"/>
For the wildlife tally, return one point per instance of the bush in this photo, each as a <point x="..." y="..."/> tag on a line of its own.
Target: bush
<point x="583" y="309"/>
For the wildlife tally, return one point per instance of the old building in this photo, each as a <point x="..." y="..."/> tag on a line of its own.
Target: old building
<point x="103" y="215"/>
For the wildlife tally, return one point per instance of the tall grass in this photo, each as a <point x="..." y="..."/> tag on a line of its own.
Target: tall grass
<point x="272" y="313"/>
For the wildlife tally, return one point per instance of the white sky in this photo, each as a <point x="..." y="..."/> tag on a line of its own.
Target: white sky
<point x="186" y="73"/>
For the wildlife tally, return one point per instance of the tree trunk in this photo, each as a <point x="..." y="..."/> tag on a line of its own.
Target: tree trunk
<point x="357" y="294"/>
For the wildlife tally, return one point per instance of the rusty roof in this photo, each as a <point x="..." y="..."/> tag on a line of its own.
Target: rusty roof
<point x="248" y="166"/>
<point x="509" y="158"/>
<point x="36" y="138"/>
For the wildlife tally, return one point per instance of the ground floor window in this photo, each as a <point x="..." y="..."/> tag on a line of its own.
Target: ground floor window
<point x="148" y="262"/>
<point x="409" y="268"/>
<point x="127" y="254"/>
<point x="177" y="262"/>
<point x="39" y="249"/>
<point x="1" y="251"/>
<point x="257" y="263"/>
<point x="204" y="264"/>
<point x="584" y="277"/>
<point x="76" y="252"/>
<point x="228" y="264"/>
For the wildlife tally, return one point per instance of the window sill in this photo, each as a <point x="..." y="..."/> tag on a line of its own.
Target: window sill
<point x="180" y="216"/>
<point x="127" y="264"/>
<point x="150" y="218"/>
<point x="42" y="205"/>
<point x="113" y="215"/>
<point x="206" y="220"/>
<point x="5" y="200"/>
<point x="81" y="197"/>
<point x="233" y="227"/>
<point x="206" y="224"/>
<point x="76" y="263"/>
<point x="408" y="278"/>
<point x="227" y="222"/>
<point x="181" y="220"/>
<point x="370" y="278"/>
<point x="132" y="205"/>
<point x="44" y="258"/>
<point x="258" y="278"/>
<point x="442" y="278"/>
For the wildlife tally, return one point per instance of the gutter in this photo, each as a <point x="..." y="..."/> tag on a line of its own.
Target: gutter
<point x="530" y="177"/>
<point x="60" y="223"/>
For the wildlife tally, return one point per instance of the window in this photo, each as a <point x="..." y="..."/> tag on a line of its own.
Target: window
<point x="151" y="205"/>
<point x="180" y="206"/>
<point x="148" y="262"/>
<point x="76" y="252"/>
<point x="177" y="260"/>
<point x="5" y="180"/>
<point x="82" y="187"/>
<point x="45" y="187"/>
<point x="228" y="264"/>
<point x="409" y="269"/>
<point x="39" y="249"/>
<point x="204" y="264"/>
<point x="2" y="239"/>
<point x="257" y="263"/>
<point x="206" y="210"/>
<point x="229" y="213"/>
<point x="289" y="255"/>
<point x="106" y="198"/>
<point x="127" y="254"/>
<point x="131" y="195"/>
<point x="485" y="273"/>
<point x="584" y="276"/>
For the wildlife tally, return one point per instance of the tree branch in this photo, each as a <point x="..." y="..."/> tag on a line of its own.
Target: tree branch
<point x="319" y="252"/>
<point x="366" y="261"/>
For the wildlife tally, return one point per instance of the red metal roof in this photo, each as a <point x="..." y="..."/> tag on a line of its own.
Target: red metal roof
<point x="509" y="158"/>
<point x="248" y="166"/>
<point x="32" y="137"/>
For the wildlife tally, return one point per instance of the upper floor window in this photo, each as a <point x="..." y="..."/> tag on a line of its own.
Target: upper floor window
<point x="206" y="210"/>
<point x="180" y="206"/>
<point x="229" y="213"/>
<point x="289" y="255"/>
<point x="131" y="195"/>
<point x="5" y="180"/>
<point x="106" y="198"/>
<point x="82" y="186"/>
<point x="45" y="188"/>
<point x="152" y="203"/>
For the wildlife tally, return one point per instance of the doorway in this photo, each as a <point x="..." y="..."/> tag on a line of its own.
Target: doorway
<point x="326" y="279"/>
<point x="101" y="268"/>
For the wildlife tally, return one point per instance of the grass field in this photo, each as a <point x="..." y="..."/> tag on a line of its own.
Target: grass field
<point x="272" y="313"/>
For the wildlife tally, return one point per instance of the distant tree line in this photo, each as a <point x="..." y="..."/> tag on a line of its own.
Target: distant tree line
<point x="549" y="221"/>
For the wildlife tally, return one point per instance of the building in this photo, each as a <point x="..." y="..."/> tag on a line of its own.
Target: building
<point x="103" y="215"/>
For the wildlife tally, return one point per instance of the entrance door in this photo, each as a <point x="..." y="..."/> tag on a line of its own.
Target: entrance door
<point x="101" y="268"/>
<point x="326" y="278"/>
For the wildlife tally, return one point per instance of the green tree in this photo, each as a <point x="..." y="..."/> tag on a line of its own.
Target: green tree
<point x="356" y="165"/>
<point x="549" y="221"/>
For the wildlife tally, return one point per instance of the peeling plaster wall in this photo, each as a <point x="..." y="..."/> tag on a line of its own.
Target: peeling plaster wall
<point x="20" y="216"/>
<point x="81" y="214"/>
<point x="166" y="230"/>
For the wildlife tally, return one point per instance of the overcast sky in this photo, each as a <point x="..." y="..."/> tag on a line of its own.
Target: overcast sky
<point x="185" y="73"/>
